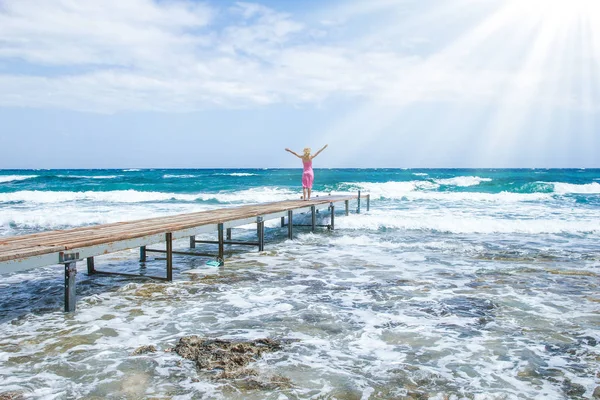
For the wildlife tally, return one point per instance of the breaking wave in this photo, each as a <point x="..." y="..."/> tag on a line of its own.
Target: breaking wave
<point x="255" y="195"/>
<point x="13" y="178"/>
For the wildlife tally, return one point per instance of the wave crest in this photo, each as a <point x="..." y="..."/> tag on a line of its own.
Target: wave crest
<point x="13" y="178"/>
<point x="459" y="223"/>
<point x="255" y="195"/>
<point x="463" y="181"/>
<point x="237" y="174"/>
<point x="566" y="188"/>
<point x="170" y="176"/>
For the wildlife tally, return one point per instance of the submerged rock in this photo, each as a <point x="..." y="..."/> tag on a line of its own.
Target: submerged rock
<point x="134" y="385"/>
<point x="144" y="349"/>
<point x="264" y="383"/>
<point x="224" y="279"/>
<point x="226" y="355"/>
<point x="151" y="289"/>
<point x="588" y="340"/>
<point x="573" y="389"/>
<point x="11" y="396"/>
<point x="231" y="358"/>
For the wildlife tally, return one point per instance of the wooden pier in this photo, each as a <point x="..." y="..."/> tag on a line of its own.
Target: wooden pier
<point x="67" y="247"/>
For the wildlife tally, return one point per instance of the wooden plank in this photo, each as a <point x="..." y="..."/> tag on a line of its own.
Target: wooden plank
<point x="95" y="229"/>
<point x="13" y="239"/>
<point x="99" y="230"/>
<point x="34" y="251"/>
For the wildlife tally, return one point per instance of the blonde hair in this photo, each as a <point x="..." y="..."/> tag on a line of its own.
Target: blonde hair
<point x="307" y="151"/>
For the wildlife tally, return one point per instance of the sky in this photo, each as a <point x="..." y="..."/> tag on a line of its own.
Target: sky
<point x="385" y="83"/>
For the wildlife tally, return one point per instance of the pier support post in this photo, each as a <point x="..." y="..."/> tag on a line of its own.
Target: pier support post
<point x="169" y="240"/>
<point x="221" y="255"/>
<point x="313" y="218"/>
<point x="368" y="201"/>
<point x="282" y="222"/>
<point x="290" y="225"/>
<point x="70" y="292"/>
<point x="143" y="254"/>
<point x="358" y="207"/>
<point x="332" y="209"/>
<point x="347" y="204"/>
<point x="260" y="227"/>
<point x="228" y="233"/>
<point x="90" y="266"/>
<point x="192" y="242"/>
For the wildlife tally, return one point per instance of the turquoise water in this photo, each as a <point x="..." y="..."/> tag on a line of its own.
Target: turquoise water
<point x="139" y="193"/>
<point x="218" y="180"/>
<point x="475" y="284"/>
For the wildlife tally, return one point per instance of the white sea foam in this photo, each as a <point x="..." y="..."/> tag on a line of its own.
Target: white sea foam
<point x="168" y="176"/>
<point x="371" y="305"/>
<point x="237" y="174"/>
<point x="363" y="240"/>
<point x="66" y="215"/>
<point x="566" y="188"/>
<point x="131" y="170"/>
<point x="13" y="178"/>
<point x="89" y="176"/>
<point x="502" y="197"/>
<point x="424" y="190"/>
<point x="255" y="195"/>
<point x="392" y="189"/>
<point x="117" y="196"/>
<point x="462" y="181"/>
<point x="462" y="222"/>
<point x="420" y="174"/>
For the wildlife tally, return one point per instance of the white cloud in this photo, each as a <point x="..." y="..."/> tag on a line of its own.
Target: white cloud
<point x="113" y="32"/>
<point x="118" y="55"/>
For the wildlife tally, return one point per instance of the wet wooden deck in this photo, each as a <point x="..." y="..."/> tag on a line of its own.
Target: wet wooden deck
<point x="15" y="248"/>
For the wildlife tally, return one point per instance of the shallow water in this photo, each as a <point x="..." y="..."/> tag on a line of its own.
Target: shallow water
<point x="435" y="293"/>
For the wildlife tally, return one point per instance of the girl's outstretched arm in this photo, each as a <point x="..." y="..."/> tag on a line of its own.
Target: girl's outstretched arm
<point x="293" y="153"/>
<point x="318" y="152"/>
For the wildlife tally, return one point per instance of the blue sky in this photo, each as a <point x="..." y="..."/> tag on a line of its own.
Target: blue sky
<point x="386" y="83"/>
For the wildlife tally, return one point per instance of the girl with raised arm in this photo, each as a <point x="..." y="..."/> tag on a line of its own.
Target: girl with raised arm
<point x="308" y="176"/>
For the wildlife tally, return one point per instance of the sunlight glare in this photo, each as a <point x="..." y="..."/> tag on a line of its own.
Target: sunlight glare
<point x="565" y="8"/>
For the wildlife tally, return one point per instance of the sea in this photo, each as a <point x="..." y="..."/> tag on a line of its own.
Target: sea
<point x="456" y="284"/>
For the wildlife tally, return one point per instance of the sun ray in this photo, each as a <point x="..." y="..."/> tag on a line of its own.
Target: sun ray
<point x="553" y="49"/>
<point x="420" y="79"/>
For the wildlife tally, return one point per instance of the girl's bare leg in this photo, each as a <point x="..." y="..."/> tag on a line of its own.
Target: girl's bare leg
<point x="309" y="190"/>
<point x="303" y="193"/>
